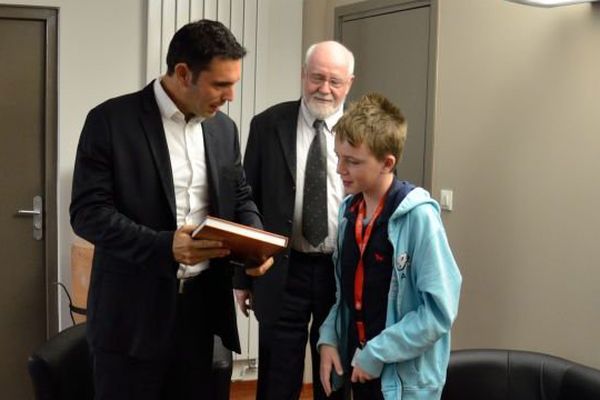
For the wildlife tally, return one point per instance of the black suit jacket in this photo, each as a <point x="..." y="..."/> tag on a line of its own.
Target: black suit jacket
<point x="123" y="201"/>
<point x="270" y="165"/>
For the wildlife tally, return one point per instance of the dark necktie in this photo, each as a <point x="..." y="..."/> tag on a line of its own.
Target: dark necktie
<point x="314" y="207"/>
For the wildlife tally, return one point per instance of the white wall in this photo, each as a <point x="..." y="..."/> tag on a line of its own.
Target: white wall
<point x="100" y="55"/>
<point x="281" y="54"/>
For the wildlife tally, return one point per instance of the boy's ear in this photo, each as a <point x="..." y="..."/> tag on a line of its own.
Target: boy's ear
<point x="389" y="163"/>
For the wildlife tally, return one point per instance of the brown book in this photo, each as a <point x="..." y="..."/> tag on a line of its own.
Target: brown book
<point x="246" y="243"/>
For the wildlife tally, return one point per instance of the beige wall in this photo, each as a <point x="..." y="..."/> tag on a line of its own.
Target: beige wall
<point x="318" y="20"/>
<point x="517" y="137"/>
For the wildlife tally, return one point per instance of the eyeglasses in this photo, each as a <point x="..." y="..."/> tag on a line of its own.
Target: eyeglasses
<point x="319" y="80"/>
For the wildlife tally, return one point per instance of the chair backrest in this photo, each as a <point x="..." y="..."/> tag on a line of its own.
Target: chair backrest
<point x="581" y="383"/>
<point x="517" y="375"/>
<point x="60" y="369"/>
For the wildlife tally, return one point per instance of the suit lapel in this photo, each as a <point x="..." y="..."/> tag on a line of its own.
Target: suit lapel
<point x="211" y="147"/>
<point x="153" y="128"/>
<point x="286" y="130"/>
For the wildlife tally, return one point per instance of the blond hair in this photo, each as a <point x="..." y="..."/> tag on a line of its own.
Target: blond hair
<point x="375" y="121"/>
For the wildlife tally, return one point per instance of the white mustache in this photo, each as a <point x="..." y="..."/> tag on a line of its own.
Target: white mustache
<point x="319" y="98"/>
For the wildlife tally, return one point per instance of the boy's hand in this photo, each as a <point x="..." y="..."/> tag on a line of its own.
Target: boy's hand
<point x="329" y="358"/>
<point x="359" y="375"/>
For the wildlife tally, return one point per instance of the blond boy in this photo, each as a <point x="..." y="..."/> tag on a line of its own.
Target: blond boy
<point x="398" y="284"/>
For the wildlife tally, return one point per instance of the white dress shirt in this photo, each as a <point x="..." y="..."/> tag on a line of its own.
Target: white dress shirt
<point x="335" y="189"/>
<point x="188" y="164"/>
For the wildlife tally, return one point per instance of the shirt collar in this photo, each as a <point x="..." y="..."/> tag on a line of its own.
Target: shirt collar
<point x="167" y="107"/>
<point x="397" y="191"/>
<point x="329" y="121"/>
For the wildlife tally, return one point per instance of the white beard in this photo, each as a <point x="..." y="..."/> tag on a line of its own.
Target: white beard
<point x="321" y="110"/>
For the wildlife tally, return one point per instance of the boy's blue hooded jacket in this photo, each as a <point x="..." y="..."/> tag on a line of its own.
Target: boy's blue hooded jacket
<point x="411" y="354"/>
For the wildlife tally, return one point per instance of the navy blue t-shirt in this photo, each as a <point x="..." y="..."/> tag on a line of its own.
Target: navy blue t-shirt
<point x="377" y="261"/>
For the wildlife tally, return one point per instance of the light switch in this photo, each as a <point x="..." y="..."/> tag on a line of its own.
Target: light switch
<point x="446" y="199"/>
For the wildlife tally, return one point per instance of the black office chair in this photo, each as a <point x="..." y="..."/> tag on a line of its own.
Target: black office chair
<point x="518" y="375"/>
<point x="60" y="369"/>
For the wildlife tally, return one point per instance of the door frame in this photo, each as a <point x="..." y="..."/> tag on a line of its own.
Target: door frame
<point x="49" y="15"/>
<point x="377" y="7"/>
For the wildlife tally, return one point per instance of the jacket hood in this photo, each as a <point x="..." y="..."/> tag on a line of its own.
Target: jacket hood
<point x="417" y="197"/>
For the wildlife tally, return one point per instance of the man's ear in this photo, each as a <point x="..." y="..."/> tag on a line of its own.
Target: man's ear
<point x="183" y="74"/>
<point x="350" y="82"/>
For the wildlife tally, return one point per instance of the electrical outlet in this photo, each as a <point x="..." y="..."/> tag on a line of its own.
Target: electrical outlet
<point x="446" y="199"/>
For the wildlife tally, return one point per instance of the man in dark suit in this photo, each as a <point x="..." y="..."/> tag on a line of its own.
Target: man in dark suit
<point x="150" y="166"/>
<point x="298" y="194"/>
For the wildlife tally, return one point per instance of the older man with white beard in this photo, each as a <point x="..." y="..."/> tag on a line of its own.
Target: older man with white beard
<point x="291" y="166"/>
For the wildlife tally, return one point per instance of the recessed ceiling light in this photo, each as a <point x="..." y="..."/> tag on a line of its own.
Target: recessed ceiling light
<point x="550" y="3"/>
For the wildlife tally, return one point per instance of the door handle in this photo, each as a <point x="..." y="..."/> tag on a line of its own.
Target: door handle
<point x="38" y="216"/>
<point x="28" y="212"/>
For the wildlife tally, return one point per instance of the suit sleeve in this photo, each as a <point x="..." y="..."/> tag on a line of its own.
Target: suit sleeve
<point x="94" y="215"/>
<point x="246" y="211"/>
<point x="245" y="206"/>
<point x="329" y="329"/>
<point x="252" y="162"/>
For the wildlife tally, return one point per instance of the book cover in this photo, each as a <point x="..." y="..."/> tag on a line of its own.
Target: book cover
<point x="246" y="243"/>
